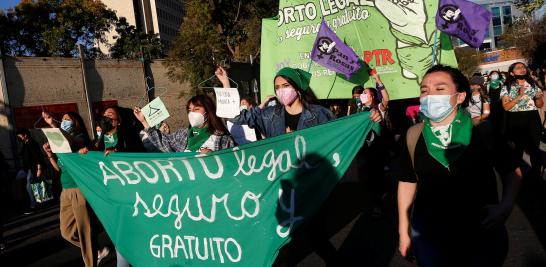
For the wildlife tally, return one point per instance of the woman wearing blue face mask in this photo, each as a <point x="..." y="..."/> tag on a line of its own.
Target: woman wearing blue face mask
<point x="456" y="218"/>
<point x="72" y="124"/>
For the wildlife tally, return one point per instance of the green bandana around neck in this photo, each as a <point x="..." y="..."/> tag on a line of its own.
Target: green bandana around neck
<point x="447" y="145"/>
<point x="197" y="137"/>
<point x="111" y="141"/>
<point x="495" y="84"/>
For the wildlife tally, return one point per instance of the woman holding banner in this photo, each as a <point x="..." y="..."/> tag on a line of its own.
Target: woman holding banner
<point x="456" y="217"/>
<point x="207" y="132"/>
<point x="295" y="112"/>
<point x="75" y="215"/>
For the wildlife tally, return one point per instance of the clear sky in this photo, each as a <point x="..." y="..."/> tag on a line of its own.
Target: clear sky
<point x="4" y="4"/>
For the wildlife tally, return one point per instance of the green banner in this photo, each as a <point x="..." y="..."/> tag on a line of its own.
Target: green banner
<point x="234" y="207"/>
<point x="396" y="37"/>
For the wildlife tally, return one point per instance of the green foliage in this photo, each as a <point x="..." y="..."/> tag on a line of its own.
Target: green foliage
<point x="468" y="60"/>
<point x="54" y="27"/>
<point x="528" y="6"/>
<point x="216" y="31"/>
<point x="527" y="36"/>
<point x="134" y="44"/>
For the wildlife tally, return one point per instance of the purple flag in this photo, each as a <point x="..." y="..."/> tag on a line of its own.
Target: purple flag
<point x="463" y="19"/>
<point x="330" y="52"/>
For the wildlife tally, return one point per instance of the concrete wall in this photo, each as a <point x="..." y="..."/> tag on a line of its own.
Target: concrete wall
<point x="45" y="81"/>
<point x="175" y="96"/>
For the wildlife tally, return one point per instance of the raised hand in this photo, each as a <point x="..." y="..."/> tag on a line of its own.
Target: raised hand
<point x="406" y="16"/>
<point x="407" y="20"/>
<point x="221" y="74"/>
<point x="140" y="117"/>
<point x="48" y="119"/>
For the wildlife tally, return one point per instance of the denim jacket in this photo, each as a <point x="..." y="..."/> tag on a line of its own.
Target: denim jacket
<point x="270" y="120"/>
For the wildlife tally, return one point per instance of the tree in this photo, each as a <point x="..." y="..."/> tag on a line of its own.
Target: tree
<point x="54" y="27"/>
<point x="529" y="6"/>
<point x="529" y="37"/>
<point x="214" y="31"/>
<point x="468" y="60"/>
<point x="134" y="44"/>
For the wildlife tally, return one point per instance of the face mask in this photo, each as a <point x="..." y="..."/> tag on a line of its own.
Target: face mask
<point x="106" y="124"/>
<point x="243" y="107"/>
<point x="357" y="100"/>
<point x="287" y="95"/>
<point x="521" y="77"/>
<point x="476" y="98"/>
<point x="196" y="119"/>
<point x="494" y="76"/>
<point x="67" y="126"/>
<point x="99" y="134"/>
<point x="436" y="107"/>
<point x="364" y="98"/>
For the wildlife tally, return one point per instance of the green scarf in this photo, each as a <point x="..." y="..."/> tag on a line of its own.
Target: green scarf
<point x="197" y="137"/>
<point x="111" y="141"/>
<point x="449" y="146"/>
<point x="495" y="84"/>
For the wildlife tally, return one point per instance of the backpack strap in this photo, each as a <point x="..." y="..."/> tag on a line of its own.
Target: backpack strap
<point x="412" y="136"/>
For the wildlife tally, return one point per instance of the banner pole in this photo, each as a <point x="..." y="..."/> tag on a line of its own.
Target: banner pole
<point x="310" y="63"/>
<point x="435" y="47"/>
<point x="358" y="36"/>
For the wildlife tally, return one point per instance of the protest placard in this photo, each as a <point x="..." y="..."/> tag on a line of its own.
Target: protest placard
<point x="242" y="134"/>
<point x="227" y="102"/>
<point x="155" y="112"/>
<point x="57" y="141"/>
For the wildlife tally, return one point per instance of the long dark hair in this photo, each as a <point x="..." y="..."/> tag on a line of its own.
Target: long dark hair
<point x="79" y="132"/>
<point x="460" y="81"/>
<point x="306" y="96"/>
<point x="216" y="125"/>
<point x="511" y="79"/>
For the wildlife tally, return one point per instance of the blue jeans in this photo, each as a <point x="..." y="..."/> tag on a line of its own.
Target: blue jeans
<point x="29" y="189"/>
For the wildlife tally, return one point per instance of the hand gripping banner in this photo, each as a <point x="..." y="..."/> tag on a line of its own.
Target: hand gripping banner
<point x="235" y="207"/>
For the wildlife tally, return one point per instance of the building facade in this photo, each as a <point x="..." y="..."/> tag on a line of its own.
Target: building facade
<point x="163" y="17"/>
<point x="504" y="12"/>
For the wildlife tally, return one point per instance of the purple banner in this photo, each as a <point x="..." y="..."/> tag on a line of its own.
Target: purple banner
<point x="463" y="19"/>
<point x="332" y="53"/>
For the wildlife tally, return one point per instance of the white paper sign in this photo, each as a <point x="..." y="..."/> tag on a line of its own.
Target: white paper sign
<point x="155" y="112"/>
<point x="57" y="141"/>
<point x="227" y="102"/>
<point x="242" y="134"/>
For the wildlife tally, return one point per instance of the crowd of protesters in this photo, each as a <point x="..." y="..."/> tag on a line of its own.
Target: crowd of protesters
<point x="449" y="142"/>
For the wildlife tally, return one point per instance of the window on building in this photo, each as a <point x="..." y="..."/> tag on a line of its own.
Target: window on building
<point x="497" y="30"/>
<point x="507" y="15"/>
<point x="496" y="16"/>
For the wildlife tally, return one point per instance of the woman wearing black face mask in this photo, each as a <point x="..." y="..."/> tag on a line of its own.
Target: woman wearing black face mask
<point x="117" y="136"/>
<point x="522" y="99"/>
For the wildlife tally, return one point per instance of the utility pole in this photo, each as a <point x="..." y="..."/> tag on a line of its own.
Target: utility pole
<point x="87" y="100"/>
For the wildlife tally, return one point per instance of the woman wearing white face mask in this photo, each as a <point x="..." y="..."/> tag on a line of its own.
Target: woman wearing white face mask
<point x="478" y="106"/>
<point x="456" y="218"/>
<point x="206" y="133"/>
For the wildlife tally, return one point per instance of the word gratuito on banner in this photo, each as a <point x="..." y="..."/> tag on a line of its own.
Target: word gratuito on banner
<point x="234" y="207"/>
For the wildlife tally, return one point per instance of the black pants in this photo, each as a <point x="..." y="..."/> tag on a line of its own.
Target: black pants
<point x="523" y="129"/>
